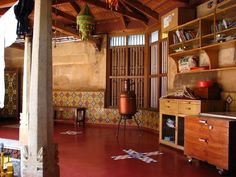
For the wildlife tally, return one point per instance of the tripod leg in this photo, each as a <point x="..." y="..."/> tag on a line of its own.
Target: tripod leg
<point x="137" y="124"/>
<point x="125" y="124"/>
<point x="118" y="127"/>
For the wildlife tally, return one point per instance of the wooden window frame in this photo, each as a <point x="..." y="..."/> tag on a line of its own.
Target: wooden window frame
<point x="147" y="70"/>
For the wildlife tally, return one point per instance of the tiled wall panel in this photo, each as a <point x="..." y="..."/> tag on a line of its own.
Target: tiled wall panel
<point x="96" y="113"/>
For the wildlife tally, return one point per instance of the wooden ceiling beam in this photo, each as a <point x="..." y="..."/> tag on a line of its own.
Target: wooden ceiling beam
<point x="58" y="26"/>
<point x="161" y="4"/>
<point x="103" y="5"/>
<point x="187" y="1"/>
<point x="7" y="3"/>
<point x="125" y="21"/>
<point x="56" y="2"/>
<point x="63" y="14"/>
<point x="75" y="6"/>
<point x="142" y="8"/>
<point x="3" y="11"/>
<point x="121" y="11"/>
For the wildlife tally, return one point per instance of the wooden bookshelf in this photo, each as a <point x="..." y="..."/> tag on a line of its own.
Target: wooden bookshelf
<point x="210" y="34"/>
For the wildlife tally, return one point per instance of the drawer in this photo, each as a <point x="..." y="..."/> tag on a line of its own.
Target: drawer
<point x="208" y="122"/>
<point x="189" y="108"/>
<point x="218" y="122"/>
<point x="168" y="106"/>
<point x="195" y="146"/>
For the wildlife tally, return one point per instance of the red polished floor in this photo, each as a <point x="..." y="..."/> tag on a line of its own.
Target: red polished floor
<point x="89" y="154"/>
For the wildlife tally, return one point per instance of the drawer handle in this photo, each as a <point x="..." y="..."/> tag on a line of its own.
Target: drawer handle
<point x="203" y="122"/>
<point x="168" y="106"/>
<point x="210" y="127"/>
<point x="203" y="140"/>
<point x="188" y="108"/>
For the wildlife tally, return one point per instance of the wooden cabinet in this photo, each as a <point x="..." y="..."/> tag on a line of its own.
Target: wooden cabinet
<point x="209" y="34"/>
<point x="172" y="113"/>
<point x="211" y="140"/>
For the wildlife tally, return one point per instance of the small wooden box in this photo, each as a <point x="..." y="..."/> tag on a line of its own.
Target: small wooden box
<point x="176" y="17"/>
<point x="209" y="93"/>
<point x="206" y="8"/>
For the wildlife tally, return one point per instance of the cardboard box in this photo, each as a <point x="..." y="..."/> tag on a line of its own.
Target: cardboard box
<point x="176" y="17"/>
<point x="206" y="8"/>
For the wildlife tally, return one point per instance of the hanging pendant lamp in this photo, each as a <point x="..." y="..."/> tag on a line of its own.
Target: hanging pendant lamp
<point x="85" y="23"/>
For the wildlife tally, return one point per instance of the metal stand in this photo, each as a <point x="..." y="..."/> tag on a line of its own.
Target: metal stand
<point x="125" y="117"/>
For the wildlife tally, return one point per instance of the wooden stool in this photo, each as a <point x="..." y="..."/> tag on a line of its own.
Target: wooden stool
<point x="81" y="111"/>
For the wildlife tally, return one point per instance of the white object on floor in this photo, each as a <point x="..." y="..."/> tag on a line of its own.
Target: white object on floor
<point x="69" y="132"/>
<point x="136" y="155"/>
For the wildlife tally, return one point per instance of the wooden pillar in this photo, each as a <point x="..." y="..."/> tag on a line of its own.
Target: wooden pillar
<point x="40" y="156"/>
<point x="24" y="117"/>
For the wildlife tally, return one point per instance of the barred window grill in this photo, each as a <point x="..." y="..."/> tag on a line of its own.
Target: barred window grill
<point x="158" y="69"/>
<point x="127" y="62"/>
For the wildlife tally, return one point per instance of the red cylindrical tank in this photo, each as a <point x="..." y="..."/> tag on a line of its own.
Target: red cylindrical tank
<point x="127" y="101"/>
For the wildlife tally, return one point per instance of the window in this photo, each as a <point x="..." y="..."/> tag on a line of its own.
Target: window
<point x="126" y="61"/>
<point x="158" y="69"/>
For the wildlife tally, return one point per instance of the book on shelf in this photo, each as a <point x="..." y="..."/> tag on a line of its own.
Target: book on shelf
<point x="185" y="35"/>
<point x="179" y="36"/>
<point x="175" y="38"/>
<point x="224" y="24"/>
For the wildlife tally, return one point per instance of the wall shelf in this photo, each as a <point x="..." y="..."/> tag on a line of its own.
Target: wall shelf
<point x="208" y="34"/>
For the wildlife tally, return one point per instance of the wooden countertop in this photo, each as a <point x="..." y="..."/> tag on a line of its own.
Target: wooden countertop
<point x="225" y="115"/>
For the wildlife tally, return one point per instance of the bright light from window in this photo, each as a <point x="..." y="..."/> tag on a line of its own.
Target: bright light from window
<point x="117" y="41"/>
<point x="136" y="39"/>
<point x="154" y="36"/>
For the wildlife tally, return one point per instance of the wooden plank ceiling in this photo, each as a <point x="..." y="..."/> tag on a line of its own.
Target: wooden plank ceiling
<point x="130" y="14"/>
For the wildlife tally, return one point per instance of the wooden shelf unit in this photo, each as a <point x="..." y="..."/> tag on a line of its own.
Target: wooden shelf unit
<point x="206" y="34"/>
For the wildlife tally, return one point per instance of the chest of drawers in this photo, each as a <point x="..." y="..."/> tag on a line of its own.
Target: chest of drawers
<point x="212" y="140"/>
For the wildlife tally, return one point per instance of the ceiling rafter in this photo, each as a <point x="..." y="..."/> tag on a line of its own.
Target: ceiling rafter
<point x="55" y="2"/>
<point x="75" y="6"/>
<point x="132" y="9"/>
<point x="182" y="0"/>
<point x="3" y="11"/>
<point x="63" y="14"/>
<point x="144" y="9"/>
<point x="103" y="5"/>
<point x="125" y="21"/>
<point x="58" y="26"/>
<point x="122" y="4"/>
<point x="121" y="11"/>
<point x="161" y="4"/>
<point x="7" y="3"/>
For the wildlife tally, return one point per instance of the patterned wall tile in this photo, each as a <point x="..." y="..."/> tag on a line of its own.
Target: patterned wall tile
<point x="96" y="113"/>
<point x="232" y="105"/>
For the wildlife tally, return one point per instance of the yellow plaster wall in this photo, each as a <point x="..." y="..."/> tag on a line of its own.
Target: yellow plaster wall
<point x="79" y="66"/>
